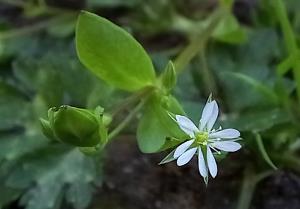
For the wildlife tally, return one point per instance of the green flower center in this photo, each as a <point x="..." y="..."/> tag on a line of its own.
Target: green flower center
<point x="201" y="138"/>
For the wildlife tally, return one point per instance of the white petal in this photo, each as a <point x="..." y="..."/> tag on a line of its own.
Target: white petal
<point x="227" y="146"/>
<point x="206" y="113"/>
<point x="225" y="134"/>
<point x="186" y="157"/>
<point x="182" y="148"/>
<point x="186" y="125"/>
<point x="213" y="117"/>
<point x="211" y="162"/>
<point x="201" y="164"/>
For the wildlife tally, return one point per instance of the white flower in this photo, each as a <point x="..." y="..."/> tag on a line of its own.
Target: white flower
<point x="205" y="139"/>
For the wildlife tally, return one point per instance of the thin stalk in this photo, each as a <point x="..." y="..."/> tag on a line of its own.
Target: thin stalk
<point x="41" y="5"/>
<point x="14" y="3"/>
<point x="34" y="28"/>
<point x="250" y="181"/>
<point x="126" y="121"/>
<point x="132" y="99"/>
<point x="208" y="77"/>
<point x="289" y="38"/>
<point x="183" y="24"/>
<point x="198" y="41"/>
<point x="247" y="190"/>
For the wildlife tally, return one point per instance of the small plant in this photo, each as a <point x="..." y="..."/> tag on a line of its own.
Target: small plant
<point x="116" y="57"/>
<point x="117" y="89"/>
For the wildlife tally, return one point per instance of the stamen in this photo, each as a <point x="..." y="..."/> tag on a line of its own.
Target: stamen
<point x="213" y="148"/>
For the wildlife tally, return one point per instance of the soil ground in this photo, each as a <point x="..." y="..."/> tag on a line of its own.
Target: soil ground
<point x="135" y="181"/>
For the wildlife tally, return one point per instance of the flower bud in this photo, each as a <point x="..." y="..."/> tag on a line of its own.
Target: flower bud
<point x="75" y="126"/>
<point x="169" y="78"/>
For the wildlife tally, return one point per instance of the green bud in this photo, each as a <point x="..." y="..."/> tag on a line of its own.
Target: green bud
<point x="89" y="150"/>
<point x="169" y="77"/>
<point x="165" y="101"/>
<point x="75" y="126"/>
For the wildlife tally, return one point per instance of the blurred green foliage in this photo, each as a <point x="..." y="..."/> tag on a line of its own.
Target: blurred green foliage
<point x="39" y="69"/>
<point x="41" y="75"/>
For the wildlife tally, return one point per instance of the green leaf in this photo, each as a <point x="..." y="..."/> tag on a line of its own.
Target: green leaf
<point x="80" y="194"/>
<point x="64" y="28"/>
<point x="260" y="87"/>
<point x="257" y="121"/>
<point x="156" y="124"/>
<point x="263" y="151"/>
<point x="112" y="54"/>
<point x="29" y="170"/>
<point x="14" y="147"/>
<point x="151" y="135"/>
<point x="287" y="64"/>
<point x="49" y="172"/>
<point x="229" y="31"/>
<point x="13" y="107"/>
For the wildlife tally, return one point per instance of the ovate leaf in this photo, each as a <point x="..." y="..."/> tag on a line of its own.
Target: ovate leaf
<point x="112" y="54"/>
<point x="156" y="124"/>
<point x="151" y="135"/>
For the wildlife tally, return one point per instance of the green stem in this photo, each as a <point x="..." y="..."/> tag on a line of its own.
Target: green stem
<point x="208" y="77"/>
<point x="250" y="181"/>
<point x="132" y="99"/>
<point x="198" y="41"/>
<point x="247" y="190"/>
<point x="182" y="24"/>
<point x="41" y="4"/>
<point x="126" y="121"/>
<point x="14" y="3"/>
<point x="290" y="39"/>
<point x="289" y="36"/>
<point x="34" y="28"/>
